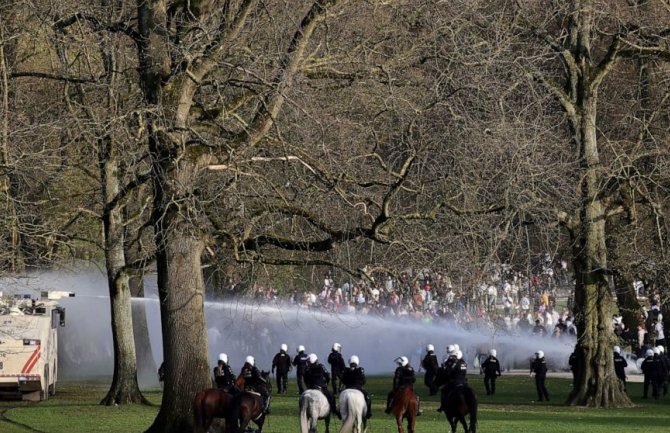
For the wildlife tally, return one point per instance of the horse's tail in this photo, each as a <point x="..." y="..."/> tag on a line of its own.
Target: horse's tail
<point x="198" y="413"/>
<point x="304" y="424"/>
<point x="348" y="416"/>
<point x="471" y="400"/>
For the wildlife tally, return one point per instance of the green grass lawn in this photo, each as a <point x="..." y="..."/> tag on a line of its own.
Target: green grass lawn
<point x="75" y="409"/>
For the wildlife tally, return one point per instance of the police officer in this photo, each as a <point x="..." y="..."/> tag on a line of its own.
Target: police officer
<point x="404" y="376"/>
<point x="662" y="371"/>
<point x="282" y="363"/>
<point x="317" y="377"/>
<point x="491" y="369"/>
<point x="430" y="364"/>
<point x="538" y="368"/>
<point x="665" y="361"/>
<point x="223" y="374"/>
<point x="650" y="369"/>
<point x="300" y="362"/>
<point x="253" y="381"/>
<point x="337" y="366"/>
<point x="573" y="362"/>
<point x="354" y="378"/>
<point x="457" y="376"/>
<point x="620" y="365"/>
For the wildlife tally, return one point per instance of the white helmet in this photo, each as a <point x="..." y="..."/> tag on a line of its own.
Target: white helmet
<point x="451" y="348"/>
<point x="617" y="349"/>
<point x="337" y="347"/>
<point x="300" y="348"/>
<point x="656" y="351"/>
<point x="353" y="360"/>
<point x="402" y="360"/>
<point x="661" y="349"/>
<point x="284" y="347"/>
<point x="493" y="353"/>
<point x="312" y="358"/>
<point x="459" y="354"/>
<point x="250" y="360"/>
<point x="457" y="347"/>
<point x="649" y="353"/>
<point x="430" y="348"/>
<point x="223" y="357"/>
<point x="539" y="354"/>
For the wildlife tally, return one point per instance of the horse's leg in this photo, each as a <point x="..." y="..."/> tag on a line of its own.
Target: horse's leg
<point x="327" y="420"/>
<point x="398" y="420"/>
<point x="411" y="423"/>
<point x="464" y="423"/>
<point x="453" y="422"/>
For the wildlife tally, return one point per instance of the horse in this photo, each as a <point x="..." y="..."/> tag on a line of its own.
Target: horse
<point x="209" y="404"/>
<point x="248" y="406"/>
<point x="457" y="404"/>
<point x="405" y="405"/>
<point x="313" y="407"/>
<point x="353" y="410"/>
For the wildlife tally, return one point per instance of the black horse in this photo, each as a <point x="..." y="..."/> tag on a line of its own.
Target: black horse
<point x="459" y="402"/>
<point x="248" y="406"/>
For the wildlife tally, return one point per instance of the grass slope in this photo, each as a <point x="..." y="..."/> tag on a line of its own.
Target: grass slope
<point x="75" y="409"/>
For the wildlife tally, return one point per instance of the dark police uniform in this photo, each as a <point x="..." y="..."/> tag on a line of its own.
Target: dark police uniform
<point x="254" y="382"/>
<point x="403" y="376"/>
<point x="300" y="362"/>
<point x="224" y="376"/>
<point x="620" y="365"/>
<point x="337" y="366"/>
<point x="573" y="362"/>
<point x="665" y="361"/>
<point x="650" y="368"/>
<point x="282" y="363"/>
<point x="316" y="377"/>
<point x="354" y="378"/>
<point x="431" y="366"/>
<point x="539" y="367"/>
<point x="491" y="368"/>
<point x="457" y="375"/>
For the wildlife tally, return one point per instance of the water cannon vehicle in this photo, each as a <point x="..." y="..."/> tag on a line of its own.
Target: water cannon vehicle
<point x="29" y="344"/>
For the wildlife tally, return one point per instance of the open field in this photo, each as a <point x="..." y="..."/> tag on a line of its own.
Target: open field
<point x="75" y="409"/>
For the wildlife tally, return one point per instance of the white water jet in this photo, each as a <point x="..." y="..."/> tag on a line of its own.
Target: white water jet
<point x="240" y="329"/>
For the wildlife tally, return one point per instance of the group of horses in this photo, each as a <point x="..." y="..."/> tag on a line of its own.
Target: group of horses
<point x="240" y="408"/>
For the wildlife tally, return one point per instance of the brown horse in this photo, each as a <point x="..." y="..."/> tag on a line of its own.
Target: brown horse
<point x="246" y="407"/>
<point x="405" y="405"/>
<point x="209" y="404"/>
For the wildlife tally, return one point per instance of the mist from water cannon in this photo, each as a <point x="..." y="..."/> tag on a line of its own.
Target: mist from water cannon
<point x="247" y="328"/>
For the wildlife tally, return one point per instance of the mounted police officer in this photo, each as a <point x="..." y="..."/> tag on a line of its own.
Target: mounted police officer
<point x="404" y="376"/>
<point x="491" y="370"/>
<point x="254" y="382"/>
<point x="282" y="363"/>
<point x="354" y="378"/>
<point x="317" y="377"/>
<point x="538" y="368"/>
<point x="650" y="368"/>
<point x="430" y="364"/>
<point x="337" y="366"/>
<point x="223" y="374"/>
<point x="456" y="376"/>
<point x="620" y="365"/>
<point x="300" y="362"/>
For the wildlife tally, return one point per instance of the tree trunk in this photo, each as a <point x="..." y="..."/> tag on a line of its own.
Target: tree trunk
<point x="124" y="388"/>
<point x="179" y="246"/>
<point x="597" y="385"/>
<point x="629" y="307"/>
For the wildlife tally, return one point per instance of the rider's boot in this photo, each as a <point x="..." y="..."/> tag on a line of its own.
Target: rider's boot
<point x="368" y="403"/>
<point x="419" y="412"/>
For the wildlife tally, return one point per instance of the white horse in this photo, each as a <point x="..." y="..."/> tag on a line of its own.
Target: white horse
<point x="353" y="410"/>
<point x="313" y="407"/>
